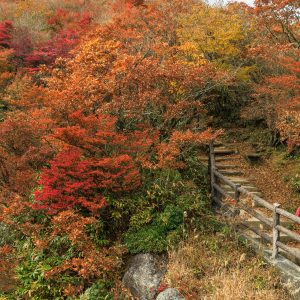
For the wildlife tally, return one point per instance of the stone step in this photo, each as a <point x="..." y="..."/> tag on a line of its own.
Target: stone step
<point x="243" y="196"/>
<point x="252" y="193"/>
<point x="230" y="158"/>
<point x="228" y="189"/>
<point x="225" y="167"/>
<point x="224" y="151"/>
<point x="223" y="148"/>
<point x="283" y="237"/>
<point x="249" y="188"/>
<point x="218" y="144"/>
<point x="253" y="157"/>
<point x="203" y="159"/>
<point x="238" y="180"/>
<point x="231" y="172"/>
<point x="254" y="222"/>
<point x="290" y="256"/>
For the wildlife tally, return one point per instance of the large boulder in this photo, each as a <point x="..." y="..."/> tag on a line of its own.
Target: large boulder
<point x="170" y="294"/>
<point x="144" y="274"/>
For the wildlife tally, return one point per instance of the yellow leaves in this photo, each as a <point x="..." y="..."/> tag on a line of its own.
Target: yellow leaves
<point x="243" y="74"/>
<point x="95" y="52"/>
<point x="211" y="32"/>
<point x="190" y="50"/>
<point x="176" y="88"/>
<point x="188" y="47"/>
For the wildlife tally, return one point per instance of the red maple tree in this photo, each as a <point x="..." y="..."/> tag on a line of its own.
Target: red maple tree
<point x="95" y="159"/>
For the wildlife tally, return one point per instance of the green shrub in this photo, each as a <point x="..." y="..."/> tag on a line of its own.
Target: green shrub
<point x="148" y="239"/>
<point x="32" y="268"/>
<point x="100" y="290"/>
<point x="157" y="236"/>
<point x="295" y="182"/>
<point x="7" y="236"/>
<point x="169" y="205"/>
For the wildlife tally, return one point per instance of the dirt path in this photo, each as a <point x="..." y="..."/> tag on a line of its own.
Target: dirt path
<point x="268" y="179"/>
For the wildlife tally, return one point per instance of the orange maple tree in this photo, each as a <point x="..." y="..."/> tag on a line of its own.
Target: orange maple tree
<point x="278" y="49"/>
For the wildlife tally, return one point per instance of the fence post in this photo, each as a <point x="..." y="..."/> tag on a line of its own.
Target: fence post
<point x="237" y="193"/>
<point x="276" y="232"/>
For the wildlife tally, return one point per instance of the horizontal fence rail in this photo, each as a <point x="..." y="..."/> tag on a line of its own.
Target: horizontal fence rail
<point x="218" y="193"/>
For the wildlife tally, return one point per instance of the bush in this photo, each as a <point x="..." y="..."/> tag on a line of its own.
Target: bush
<point x="147" y="239"/>
<point x="62" y="259"/>
<point x="154" y="237"/>
<point x="100" y="290"/>
<point x="172" y="204"/>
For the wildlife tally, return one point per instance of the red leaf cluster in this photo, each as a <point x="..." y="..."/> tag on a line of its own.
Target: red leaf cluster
<point x="96" y="160"/>
<point x="6" y="28"/>
<point x="63" y="19"/>
<point x="68" y="28"/>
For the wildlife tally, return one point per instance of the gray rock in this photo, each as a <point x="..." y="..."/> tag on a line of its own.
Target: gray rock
<point x="144" y="274"/>
<point x="170" y="294"/>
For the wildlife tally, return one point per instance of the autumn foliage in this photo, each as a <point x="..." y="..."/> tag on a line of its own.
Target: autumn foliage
<point x="278" y="48"/>
<point x="5" y="34"/>
<point x="95" y="159"/>
<point x="67" y="28"/>
<point x="93" y="110"/>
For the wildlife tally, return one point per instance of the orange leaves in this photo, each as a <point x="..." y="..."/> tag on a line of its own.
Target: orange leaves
<point x="6" y="260"/>
<point x="129" y="68"/>
<point x="86" y="263"/>
<point x="285" y="82"/>
<point x="171" y="154"/>
<point x="63" y="19"/>
<point x="24" y="148"/>
<point x="199" y="137"/>
<point x="96" y="134"/>
<point x="285" y="91"/>
<point x="125" y="68"/>
<point x="117" y="100"/>
<point x="95" y="159"/>
<point x="70" y="223"/>
<point x="277" y="47"/>
<point x="91" y="263"/>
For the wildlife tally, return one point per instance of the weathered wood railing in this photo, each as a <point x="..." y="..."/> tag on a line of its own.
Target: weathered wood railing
<point x="217" y="193"/>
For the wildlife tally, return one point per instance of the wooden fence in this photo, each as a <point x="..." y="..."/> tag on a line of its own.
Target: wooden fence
<point x="218" y="193"/>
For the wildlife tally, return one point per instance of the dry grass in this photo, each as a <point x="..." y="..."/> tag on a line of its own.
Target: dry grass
<point x="217" y="267"/>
